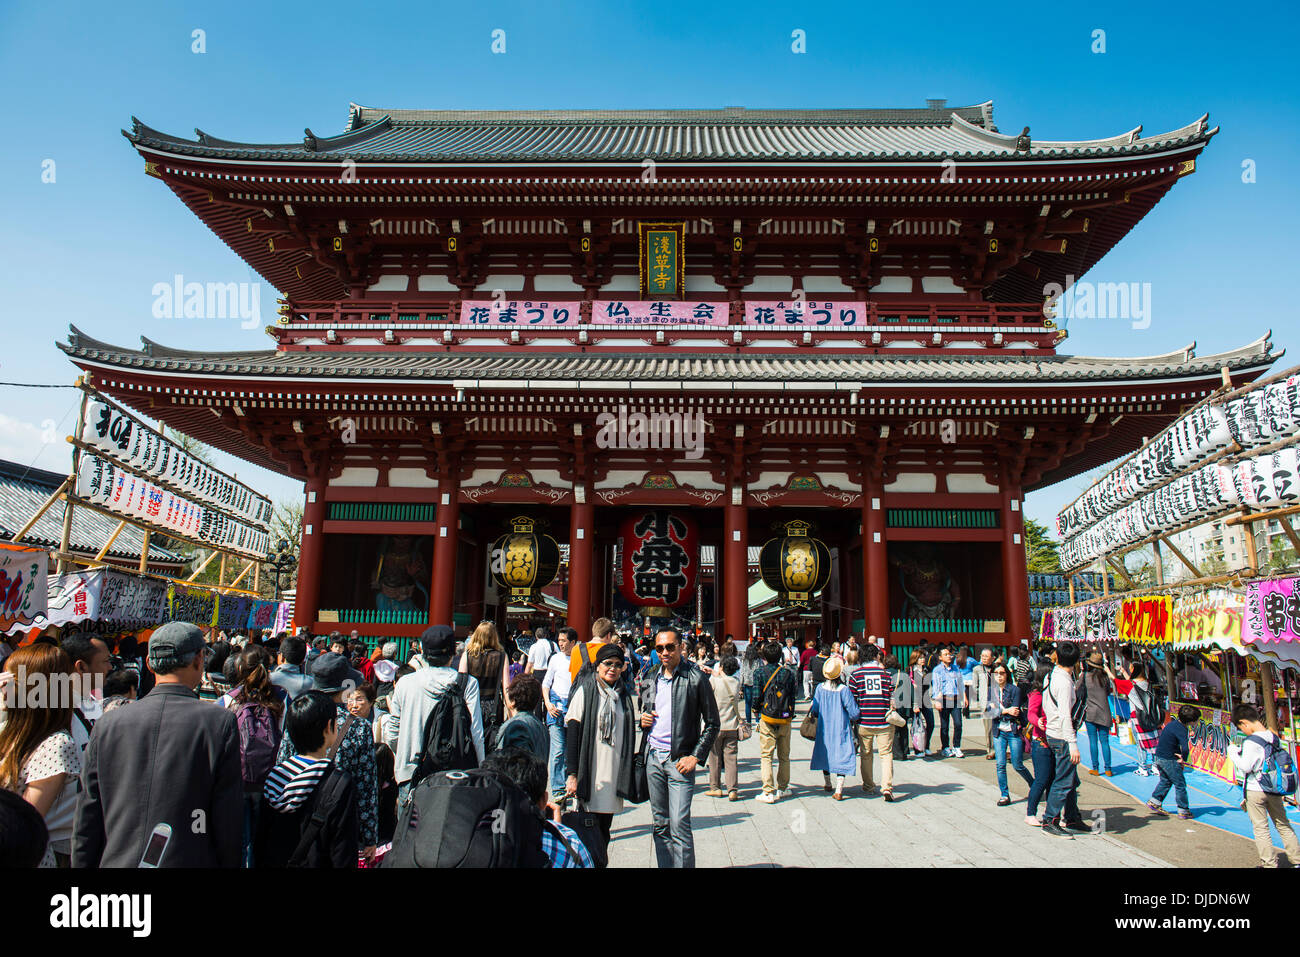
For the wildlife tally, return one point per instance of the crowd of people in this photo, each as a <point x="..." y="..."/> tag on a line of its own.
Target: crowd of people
<point x="265" y="751"/>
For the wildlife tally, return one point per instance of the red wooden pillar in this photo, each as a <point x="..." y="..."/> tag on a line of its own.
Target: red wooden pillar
<point x="735" y="571"/>
<point x="582" y="529"/>
<point x="845" y="616"/>
<point x="600" y="579"/>
<point x="875" y="561"/>
<point x="1015" y="583"/>
<point x="476" y="581"/>
<point x="311" y="552"/>
<point x="443" y="594"/>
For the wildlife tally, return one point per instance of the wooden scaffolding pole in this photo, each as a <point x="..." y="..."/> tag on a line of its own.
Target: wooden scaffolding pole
<point x="1181" y="557"/>
<point x="221" y="571"/>
<point x="65" y="539"/>
<point x="199" y="571"/>
<point x="144" y="549"/>
<point x="1269" y="691"/>
<point x="1248" y="532"/>
<point x="1160" y="562"/>
<point x="244" y="571"/>
<point x="54" y="497"/>
<point x="99" y="557"/>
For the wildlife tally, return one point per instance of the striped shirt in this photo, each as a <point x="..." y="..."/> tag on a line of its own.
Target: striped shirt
<point x="291" y="781"/>
<point x="872" y="689"/>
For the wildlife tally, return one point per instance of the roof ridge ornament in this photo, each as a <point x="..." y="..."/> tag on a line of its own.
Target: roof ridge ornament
<point x="309" y="140"/>
<point x="1022" y="141"/>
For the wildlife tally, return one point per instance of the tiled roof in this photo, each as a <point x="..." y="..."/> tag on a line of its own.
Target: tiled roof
<point x="597" y="370"/>
<point x="734" y="134"/>
<point x="23" y="490"/>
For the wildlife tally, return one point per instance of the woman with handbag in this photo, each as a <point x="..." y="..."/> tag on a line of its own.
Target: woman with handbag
<point x="1100" y="686"/>
<point x="1007" y="712"/>
<point x="829" y="724"/>
<point x="922" y="711"/>
<point x="726" y="692"/>
<point x="600" y="740"/>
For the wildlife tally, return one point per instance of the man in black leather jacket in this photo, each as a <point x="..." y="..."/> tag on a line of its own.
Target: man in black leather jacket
<point x="680" y="716"/>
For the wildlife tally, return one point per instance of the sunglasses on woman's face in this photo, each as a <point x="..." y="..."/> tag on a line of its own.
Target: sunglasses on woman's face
<point x="614" y="664"/>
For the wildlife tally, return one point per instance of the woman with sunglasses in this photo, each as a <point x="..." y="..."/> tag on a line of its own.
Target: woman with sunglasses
<point x="600" y="732"/>
<point x="1007" y="712"/>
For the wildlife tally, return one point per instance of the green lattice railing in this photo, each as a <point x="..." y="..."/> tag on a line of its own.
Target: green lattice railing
<point x="942" y="517"/>
<point x="383" y="511"/>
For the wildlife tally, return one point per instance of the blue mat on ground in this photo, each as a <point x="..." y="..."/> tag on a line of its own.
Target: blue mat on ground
<point x="1214" y="802"/>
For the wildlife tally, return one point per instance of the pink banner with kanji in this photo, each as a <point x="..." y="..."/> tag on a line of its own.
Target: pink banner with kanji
<point x="801" y="313"/>
<point x="519" y="312"/>
<point x="1272" y="610"/>
<point x="621" y="312"/>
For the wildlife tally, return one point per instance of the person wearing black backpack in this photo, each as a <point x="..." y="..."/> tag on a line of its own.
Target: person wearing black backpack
<point x="1063" y="716"/>
<point x="309" y="806"/>
<point x="1269" y="775"/>
<point x="416" y="716"/>
<point x="333" y="675"/>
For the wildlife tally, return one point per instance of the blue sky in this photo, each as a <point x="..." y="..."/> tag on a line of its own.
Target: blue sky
<point x="88" y="248"/>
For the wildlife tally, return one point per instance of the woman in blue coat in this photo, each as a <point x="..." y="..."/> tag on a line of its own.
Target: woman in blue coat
<point x="836" y="713"/>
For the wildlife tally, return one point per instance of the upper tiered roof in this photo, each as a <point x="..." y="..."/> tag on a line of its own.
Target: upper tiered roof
<point x="731" y="135"/>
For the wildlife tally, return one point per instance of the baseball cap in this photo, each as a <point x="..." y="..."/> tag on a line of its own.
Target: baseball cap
<point x="176" y="639"/>
<point x="438" y="640"/>
<point x="332" y="672"/>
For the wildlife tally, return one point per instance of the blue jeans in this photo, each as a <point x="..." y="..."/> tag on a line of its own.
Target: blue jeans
<point x="1005" y="742"/>
<point x="1098" y="732"/>
<point x="1063" y="796"/>
<point x="749" y="704"/>
<point x="670" y="806"/>
<point x="556" y="758"/>
<point x="955" y="714"/>
<point x="252" y="809"/>
<point x="555" y="728"/>
<point x="1044" y="771"/>
<point x="1171" y="776"/>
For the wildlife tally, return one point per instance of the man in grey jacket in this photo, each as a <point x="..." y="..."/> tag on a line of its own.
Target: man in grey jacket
<point x="413" y="699"/>
<point x="169" y="763"/>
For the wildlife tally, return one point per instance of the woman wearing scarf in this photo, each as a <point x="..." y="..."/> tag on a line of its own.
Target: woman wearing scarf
<point x="600" y="739"/>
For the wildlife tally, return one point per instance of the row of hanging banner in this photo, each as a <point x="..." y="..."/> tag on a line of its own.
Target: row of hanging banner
<point x="132" y="471"/>
<point x="118" y="600"/>
<point x="1265" y="615"/>
<point x="1169" y="483"/>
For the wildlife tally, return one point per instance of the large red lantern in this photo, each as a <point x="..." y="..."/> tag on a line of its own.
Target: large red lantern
<point x="661" y="559"/>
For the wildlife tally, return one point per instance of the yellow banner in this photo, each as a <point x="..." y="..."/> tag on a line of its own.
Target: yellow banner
<point x="1207" y="621"/>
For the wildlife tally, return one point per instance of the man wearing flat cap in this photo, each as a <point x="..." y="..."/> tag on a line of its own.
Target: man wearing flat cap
<point x="166" y="766"/>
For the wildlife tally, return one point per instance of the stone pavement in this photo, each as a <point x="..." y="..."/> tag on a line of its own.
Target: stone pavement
<point x="941" y="817"/>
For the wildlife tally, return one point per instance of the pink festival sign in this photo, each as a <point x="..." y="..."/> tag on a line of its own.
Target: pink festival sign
<point x="1272" y="610"/>
<point x="519" y="312"/>
<point x="801" y="313"/>
<point x="658" y="311"/>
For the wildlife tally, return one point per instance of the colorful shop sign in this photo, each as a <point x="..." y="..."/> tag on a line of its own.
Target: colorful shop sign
<point x="1207" y="621"/>
<point x="1208" y="742"/>
<point x="1145" y="619"/>
<point x="660" y="253"/>
<point x="23" y="586"/>
<point x="1272" y="610"/>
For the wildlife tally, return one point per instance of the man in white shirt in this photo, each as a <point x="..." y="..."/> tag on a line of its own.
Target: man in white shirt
<point x="1058" y="705"/>
<point x="1261" y="805"/>
<point x="556" y="686"/>
<point x="539" y="655"/>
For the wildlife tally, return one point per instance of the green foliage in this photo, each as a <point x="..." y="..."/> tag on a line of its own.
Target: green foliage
<point x="1042" y="552"/>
